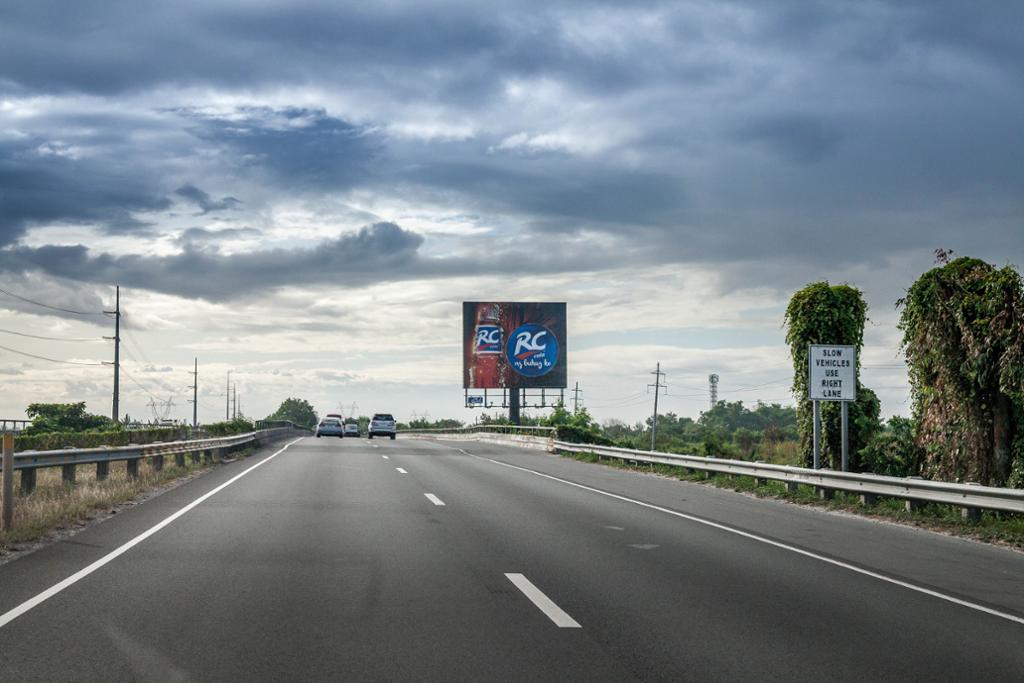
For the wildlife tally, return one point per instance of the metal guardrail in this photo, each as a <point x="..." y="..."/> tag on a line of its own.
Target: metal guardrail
<point x="497" y="429"/>
<point x="970" y="498"/>
<point x="28" y="462"/>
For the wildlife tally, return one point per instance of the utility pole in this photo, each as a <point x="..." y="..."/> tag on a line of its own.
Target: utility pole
<point x="195" y="395"/>
<point x="658" y="386"/>
<point x="713" y="386"/>
<point x="234" y="391"/>
<point x="576" y="398"/>
<point x="227" y="399"/>
<point x="115" y="411"/>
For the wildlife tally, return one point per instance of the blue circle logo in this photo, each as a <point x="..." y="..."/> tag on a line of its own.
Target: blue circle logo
<point x="532" y="350"/>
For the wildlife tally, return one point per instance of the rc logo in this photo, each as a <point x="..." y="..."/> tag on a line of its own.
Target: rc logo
<point x="532" y="350"/>
<point x="488" y="340"/>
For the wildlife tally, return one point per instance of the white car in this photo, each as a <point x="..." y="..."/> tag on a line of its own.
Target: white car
<point x="351" y="429"/>
<point x="382" y="424"/>
<point x="329" y="427"/>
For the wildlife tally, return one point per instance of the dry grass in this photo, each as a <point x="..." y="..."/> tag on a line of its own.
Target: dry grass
<point x="55" y="506"/>
<point x="780" y="452"/>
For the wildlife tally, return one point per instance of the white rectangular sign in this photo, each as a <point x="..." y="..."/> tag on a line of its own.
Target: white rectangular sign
<point x="833" y="374"/>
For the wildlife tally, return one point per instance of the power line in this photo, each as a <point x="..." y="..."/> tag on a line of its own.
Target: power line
<point x="52" y="308"/>
<point x="63" y="339"/>
<point x="52" y="360"/>
<point x="160" y="386"/>
<point x="131" y="338"/>
<point x="139" y="384"/>
<point x="759" y="386"/>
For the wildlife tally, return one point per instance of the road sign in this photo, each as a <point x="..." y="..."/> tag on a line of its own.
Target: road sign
<point x="833" y="373"/>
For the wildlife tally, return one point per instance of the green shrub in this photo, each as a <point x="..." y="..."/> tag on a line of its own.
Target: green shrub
<point x="576" y="434"/>
<point x="58" y="440"/>
<point x="237" y="426"/>
<point x="892" y="451"/>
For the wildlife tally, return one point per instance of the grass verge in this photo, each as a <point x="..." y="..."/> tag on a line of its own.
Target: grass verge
<point x="55" y="507"/>
<point x="993" y="527"/>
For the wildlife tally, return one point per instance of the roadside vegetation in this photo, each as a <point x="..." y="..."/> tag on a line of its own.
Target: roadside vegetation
<point x="55" y="505"/>
<point x="992" y="527"/>
<point x="296" y="410"/>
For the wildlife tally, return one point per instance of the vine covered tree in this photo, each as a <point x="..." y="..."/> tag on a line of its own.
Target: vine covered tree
<point x="821" y="313"/>
<point x="298" y="410"/>
<point x="963" y="337"/>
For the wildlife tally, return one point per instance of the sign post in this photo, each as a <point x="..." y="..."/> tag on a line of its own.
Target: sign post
<point x="832" y="377"/>
<point x="8" y="480"/>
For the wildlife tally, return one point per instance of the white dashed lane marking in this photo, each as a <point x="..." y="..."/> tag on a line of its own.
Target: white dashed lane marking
<point x="543" y="602"/>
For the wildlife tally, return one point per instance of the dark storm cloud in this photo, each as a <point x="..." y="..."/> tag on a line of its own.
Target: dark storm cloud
<point x="566" y="197"/>
<point x="383" y="252"/>
<point x="363" y="257"/>
<point x="204" y="201"/>
<point x="798" y="138"/>
<point x="783" y="131"/>
<point x="42" y="183"/>
<point x="107" y="48"/>
<point x="302" y="148"/>
<point x="200" y="236"/>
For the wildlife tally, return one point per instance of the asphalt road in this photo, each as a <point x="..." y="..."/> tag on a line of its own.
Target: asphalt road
<point x="415" y="560"/>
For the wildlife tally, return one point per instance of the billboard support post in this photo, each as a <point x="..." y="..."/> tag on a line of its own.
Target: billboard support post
<point x="513" y="406"/>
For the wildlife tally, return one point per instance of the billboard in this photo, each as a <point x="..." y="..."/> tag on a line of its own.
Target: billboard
<point x="513" y="345"/>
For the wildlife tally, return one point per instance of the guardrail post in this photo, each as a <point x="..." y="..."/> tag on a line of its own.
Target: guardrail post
<point x="824" y="493"/>
<point x="132" y="468"/>
<point x="158" y="463"/>
<point x="67" y="473"/>
<point x="868" y="499"/>
<point x="102" y="470"/>
<point x="8" y="481"/>
<point x="970" y="514"/>
<point x="911" y="505"/>
<point x="792" y="487"/>
<point x="207" y="455"/>
<point x="28" y="480"/>
<point x="195" y="457"/>
<point x="179" y="459"/>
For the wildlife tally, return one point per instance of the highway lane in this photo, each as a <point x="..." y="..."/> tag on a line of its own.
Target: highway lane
<point x="323" y="564"/>
<point x="327" y="562"/>
<point x="737" y="607"/>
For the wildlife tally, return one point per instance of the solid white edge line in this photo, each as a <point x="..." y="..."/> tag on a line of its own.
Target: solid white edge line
<point x="543" y="602"/>
<point x="401" y="471"/>
<point x="31" y="603"/>
<point x="434" y="499"/>
<point x="760" y="539"/>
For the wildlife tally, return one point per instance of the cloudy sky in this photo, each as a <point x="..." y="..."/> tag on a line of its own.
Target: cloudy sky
<point x="304" y="193"/>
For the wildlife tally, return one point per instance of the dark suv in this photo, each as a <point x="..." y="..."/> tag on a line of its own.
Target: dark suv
<point x="382" y="424"/>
